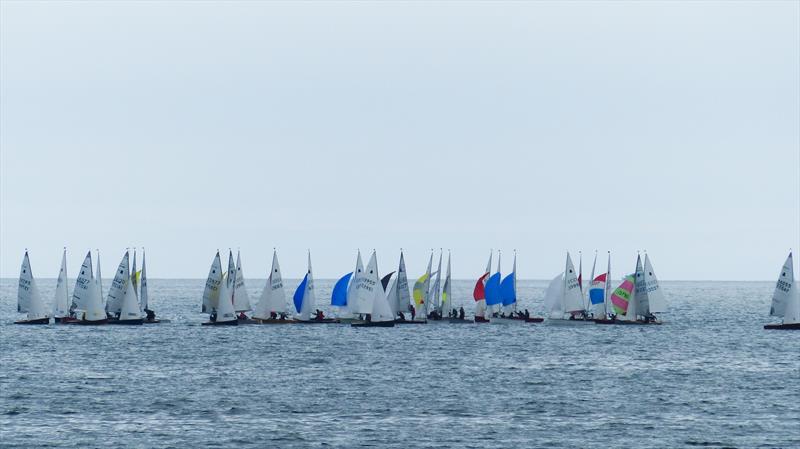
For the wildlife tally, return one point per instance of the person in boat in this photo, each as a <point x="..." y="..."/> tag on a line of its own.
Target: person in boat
<point x="461" y="312"/>
<point x="319" y="315"/>
<point x="242" y="316"/>
<point x="368" y="317"/>
<point x="213" y="316"/>
<point x="400" y="316"/>
<point x="151" y="316"/>
<point x="413" y="311"/>
<point x="273" y="316"/>
<point x="283" y="316"/>
<point x="527" y="314"/>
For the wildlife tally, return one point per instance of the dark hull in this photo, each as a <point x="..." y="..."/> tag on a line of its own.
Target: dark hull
<point x="480" y="319"/>
<point x="276" y="321"/>
<point x="322" y="321"/>
<point x="90" y="323"/>
<point x="459" y="321"/>
<point x="410" y="322"/>
<point x="221" y="323"/>
<point x="534" y="320"/>
<point x="247" y="321"/>
<point x="156" y="321"/>
<point x="792" y="326"/>
<point x="65" y="320"/>
<point x="628" y="323"/>
<point x="127" y="322"/>
<point x="373" y="324"/>
<point x="38" y="321"/>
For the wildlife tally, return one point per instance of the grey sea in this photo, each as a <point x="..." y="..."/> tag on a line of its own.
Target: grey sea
<point x="710" y="376"/>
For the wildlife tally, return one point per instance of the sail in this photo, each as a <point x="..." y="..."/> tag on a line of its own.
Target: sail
<point x="435" y="291"/>
<point x="572" y="300"/>
<point x="213" y="282"/>
<point x="134" y="275"/>
<point x="783" y="289"/>
<point x="385" y="280"/>
<point x="622" y="296"/>
<point x="144" y="298"/>
<point x="61" y="299"/>
<point x="29" y="300"/>
<point x="792" y="313"/>
<point x="273" y="297"/>
<point x="447" y="288"/>
<point x="403" y="298"/>
<point x="421" y="290"/>
<point x="552" y="297"/>
<point x="83" y="289"/>
<point x="358" y="303"/>
<point x="130" y="305"/>
<point x="597" y="291"/>
<point x="381" y="311"/>
<point x="241" y="302"/>
<point x="368" y="288"/>
<point x="94" y="310"/>
<point x="493" y="290"/>
<point x="116" y="294"/>
<point x="227" y="293"/>
<point x="339" y="293"/>
<point x="508" y="288"/>
<point x="304" y="298"/>
<point x="654" y="293"/>
<point x="642" y="297"/>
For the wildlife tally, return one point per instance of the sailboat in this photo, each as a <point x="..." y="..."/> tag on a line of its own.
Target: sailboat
<point x="638" y="298"/>
<point x="87" y="296"/>
<point x="421" y="293"/>
<point x="129" y="312"/>
<point x="786" y="299"/>
<point x="29" y="300"/>
<point x="492" y="290"/>
<point x="479" y="293"/>
<point x="599" y="290"/>
<point x="271" y="307"/>
<point x="116" y="294"/>
<point x="221" y="303"/>
<point x="370" y="291"/>
<point x="305" y="300"/>
<point x="434" y="295"/>
<point x="563" y="299"/>
<point x="144" y="295"/>
<point x="241" y="302"/>
<point x="61" y="299"/>
<point x="398" y="296"/>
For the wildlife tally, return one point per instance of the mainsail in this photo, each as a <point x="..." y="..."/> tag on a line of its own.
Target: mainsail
<point x="654" y="293"/>
<point x="434" y="294"/>
<point x="381" y="311"/>
<point x="304" y="299"/>
<point x="640" y="289"/>
<point x="357" y="303"/>
<point x="83" y="285"/>
<point x="226" y="293"/>
<point x="572" y="300"/>
<point x="29" y="300"/>
<point x="213" y="282"/>
<point x="144" y="298"/>
<point x="130" y="305"/>
<point x="241" y="302"/>
<point x="61" y="300"/>
<point x="447" y="297"/>
<point x="782" y="295"/>
<point x="508" y="288"/>
<point x="398" y="296"/>
<point x="479" y="293"/>
<point x="116" y="294"/>
<point x="273" y="297"/>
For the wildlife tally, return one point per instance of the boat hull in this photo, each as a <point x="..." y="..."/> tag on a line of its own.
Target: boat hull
<point x="373" y="324"/>
<point x="275" y="321"/>
<point x="534" y="319"/>
<point x="36" y="321"/>
<point x="90" y="323"/>
<point x="480" y="319"/>
<point x="407" y="322"/>
<point x="567" y="322"/>
<point x="221" y="323"/>
<point x="127" y="322"/>
<point x="459" y="321"/>
<point x="322" y="321"/>
<point x="627" y="323"/>
<point x="156" y="321"/>
<point x="790" y="326"/>
<point x="247" y="321"/>
<point x="65" y="320"/>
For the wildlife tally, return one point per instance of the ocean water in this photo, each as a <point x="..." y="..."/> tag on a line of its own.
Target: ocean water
<point x="710" y="376"/>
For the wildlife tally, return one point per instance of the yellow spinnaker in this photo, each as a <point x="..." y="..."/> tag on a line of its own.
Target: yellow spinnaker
<point x="419" y="286"/>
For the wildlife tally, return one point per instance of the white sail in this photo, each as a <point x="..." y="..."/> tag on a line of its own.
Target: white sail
<point x="83" y="285"/>
<point x="61" y="299"/>
<point x="447" y="288"/>
<point x="654" y="293"/>
<point x="572" y="299"/>
<point x="211" y="292"/>
<point x="792" y="313"/>
<point x="358" y="301"/>
<point x="130" y="305"/>
<point x="29" y="300"/>
<point x="403" y="298"/>
<point x="241" y="302"/>
<point x="144" y="297"/>
<point x="116" y="294"/>
<point x="782" y="295"/>
<point x="227" y="292"/>
<point x="391" y="296"/>
<point x="422" y="291"/>
<point x="93" y="310"/>
<point x="640" y="289"/>
<point x="309" y="298"/>
<point x="552" y="297"/>
<point x="99" y="279"/>
<point x="381" y="311"/>
<point x="135" y="275"/>
<point x="435" y="295"/>
<point x="273" y="297"/>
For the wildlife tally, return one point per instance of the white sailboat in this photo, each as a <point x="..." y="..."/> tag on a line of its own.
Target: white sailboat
<point x="116" y="293"/>
<point x="129" y="313"/>
<point x="399" y="298"/>
<point x="272" y="303"/>
<point x="86" y="295"/>
<point x="369" y="290"/>
<point x="29" y="300"/>
<point x="61" y="298"/>
<point x="241" y="302"/>
<point x="305" y="300"/>
<point x="144" y="296"/>
<point x="786" y="299"/>
<point x="213" y="282"/>
<point x="223" y="313"/>
<point x="564" y="300"/>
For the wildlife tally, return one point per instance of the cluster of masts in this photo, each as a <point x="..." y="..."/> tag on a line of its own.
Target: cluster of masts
<point x="363" y="298"/>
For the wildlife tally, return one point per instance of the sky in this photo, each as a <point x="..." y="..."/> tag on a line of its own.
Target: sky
<point x="545" y="127"/>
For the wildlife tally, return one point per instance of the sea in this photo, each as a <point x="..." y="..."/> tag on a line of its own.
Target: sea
<point x="710" y="376"/>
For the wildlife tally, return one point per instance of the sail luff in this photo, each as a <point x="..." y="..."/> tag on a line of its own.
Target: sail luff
<point x="61" y="298"/>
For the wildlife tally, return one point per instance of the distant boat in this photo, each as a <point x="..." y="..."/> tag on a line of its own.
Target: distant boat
<point x="492" y="290"/>
<point x="241" y="302"/>
<point x="87" y="296"/>
<point x="638" y="298"/>
<point x="435" y="309"/>
<point x="116" y="293"/>
<point x="144" y="295"/>
<point x="129" y="312"/>
<point x="352" y="306"/>
<point x="305" y="300"/>
<point x="563" y="299"/>
<point x="479" y="293"/>
<point x="271" y="307"/>
<point x="786" y="299"/>
<point x="29" y="300"/>
<point x="369" y="290"/>
<point x="599" y="288"/>
<point x="398" y="296"/>
<point x="421" y="292"/>
<point x="61" y="298"/>
<point x="222" y="312"/>
<point x="211" y="290"/>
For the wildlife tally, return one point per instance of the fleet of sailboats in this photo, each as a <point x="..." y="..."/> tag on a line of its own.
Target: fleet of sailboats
<point x="365" y="299"/>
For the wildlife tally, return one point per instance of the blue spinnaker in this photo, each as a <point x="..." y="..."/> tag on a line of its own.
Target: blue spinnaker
<point x="508" y="293"/>
<point x="339" y="295"/>
<point x="300" y="294"/>
<point x="493" y="290"/>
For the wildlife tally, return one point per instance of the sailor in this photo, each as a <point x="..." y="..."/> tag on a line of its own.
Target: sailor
<point x="213" y="316"/>
<point x="151" y="316"/>
<point x="369" y="317"/>
<point x="242" y="316"/>
<point x="283" y="316"/>
<point x="400" y="316"/>
<point x="413" y="311"/>
<point x="527" y="314"/>
<point x="461" y="312"/>
<point x="273" y="315"/>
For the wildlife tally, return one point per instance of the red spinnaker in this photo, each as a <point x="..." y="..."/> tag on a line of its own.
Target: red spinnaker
<point x="479" y="293"/>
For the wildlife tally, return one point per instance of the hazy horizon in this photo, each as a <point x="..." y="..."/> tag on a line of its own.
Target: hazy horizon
<point x="544" y="127"/>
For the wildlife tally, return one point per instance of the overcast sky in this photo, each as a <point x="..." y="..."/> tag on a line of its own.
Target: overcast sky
<point x="546" y="127"/>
